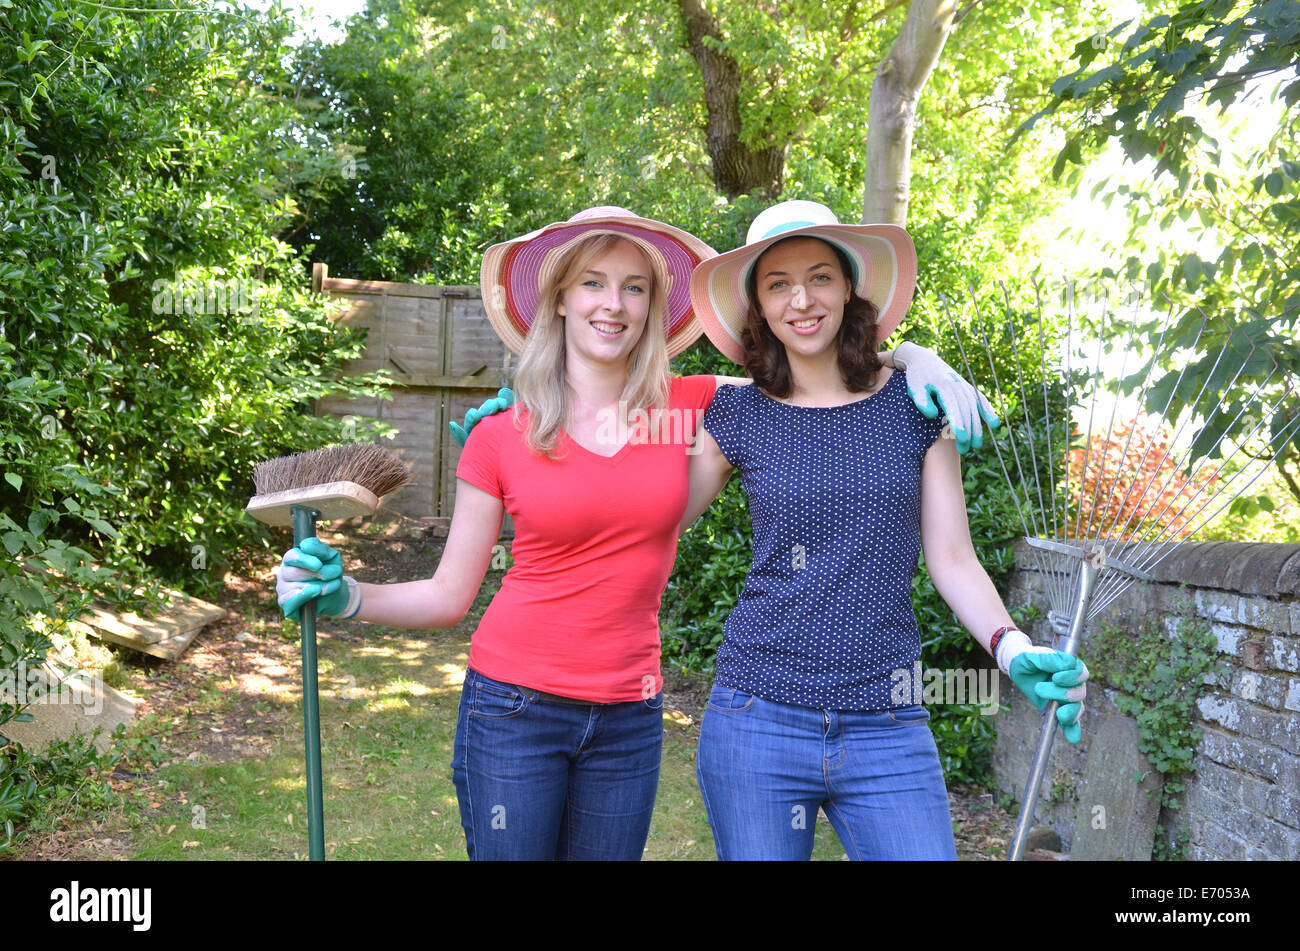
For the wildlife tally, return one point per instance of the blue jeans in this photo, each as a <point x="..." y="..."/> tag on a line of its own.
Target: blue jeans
<point x="539" y="779"/>
<point x="765" y="768"/>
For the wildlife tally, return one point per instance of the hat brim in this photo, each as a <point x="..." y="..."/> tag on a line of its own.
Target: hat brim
<point x="513" y="273"/>
<point x="883" y="258"/>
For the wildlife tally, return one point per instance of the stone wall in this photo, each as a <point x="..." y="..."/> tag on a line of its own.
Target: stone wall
<point x="1243" y="802"/>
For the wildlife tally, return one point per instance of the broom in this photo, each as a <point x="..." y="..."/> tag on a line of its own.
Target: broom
<point x="338" y="482"/>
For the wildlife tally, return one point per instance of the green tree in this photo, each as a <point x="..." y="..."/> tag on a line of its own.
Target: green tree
<point x="405" y="176"/>
<point x="547" y="107"/>
<point x="1212" y="53"/>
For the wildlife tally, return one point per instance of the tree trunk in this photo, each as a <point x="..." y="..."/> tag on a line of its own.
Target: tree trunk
<point x="737" y="168"/>
<point x="892" y="112"/>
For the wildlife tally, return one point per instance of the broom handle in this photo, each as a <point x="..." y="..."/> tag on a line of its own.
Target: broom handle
<point x="1089" y="568"/>
<point x="304" y="527"/>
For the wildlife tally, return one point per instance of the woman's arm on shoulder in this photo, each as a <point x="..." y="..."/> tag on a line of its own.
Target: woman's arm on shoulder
<point x="710" y="471"/>
<point x="444" y="599"/>
<point x="950" y="557"/>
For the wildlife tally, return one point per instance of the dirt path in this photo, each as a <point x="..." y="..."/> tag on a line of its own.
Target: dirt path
<point x="232" y="697"/>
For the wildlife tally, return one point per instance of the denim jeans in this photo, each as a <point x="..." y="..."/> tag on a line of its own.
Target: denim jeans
<point x="540" y="779"/>
<point x="765" y="768"/>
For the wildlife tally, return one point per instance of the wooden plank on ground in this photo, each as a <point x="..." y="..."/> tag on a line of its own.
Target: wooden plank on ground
<point x="165" y="635"/>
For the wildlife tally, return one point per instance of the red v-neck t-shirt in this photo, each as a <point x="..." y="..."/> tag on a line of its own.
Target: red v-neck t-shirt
<point x="595" y="539"/>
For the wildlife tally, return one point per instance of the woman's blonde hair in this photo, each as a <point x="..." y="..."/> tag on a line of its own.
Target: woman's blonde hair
<point x="541" y="379"/>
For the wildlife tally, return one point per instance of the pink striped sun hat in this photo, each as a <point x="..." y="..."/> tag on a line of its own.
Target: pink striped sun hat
<point x="883" y="259"/>
<point x="514" y="271"/>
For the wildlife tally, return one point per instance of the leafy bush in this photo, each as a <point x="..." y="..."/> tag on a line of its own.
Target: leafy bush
<point x="137" y="395"/>
<point x="157" y="338"/>
<point x="67" y="777"/>
<point x="1171" y="90"/>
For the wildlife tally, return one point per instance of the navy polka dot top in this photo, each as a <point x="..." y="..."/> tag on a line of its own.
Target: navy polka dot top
<point x="835" y="500"/>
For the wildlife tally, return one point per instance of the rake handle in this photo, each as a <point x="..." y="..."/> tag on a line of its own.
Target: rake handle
<point x="1028" y="801"/>
<point x="304" y="527"/>
<point x="1089" y="567"/>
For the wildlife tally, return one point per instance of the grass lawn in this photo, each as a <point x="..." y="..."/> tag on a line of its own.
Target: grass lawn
<point x="388" y="716"/>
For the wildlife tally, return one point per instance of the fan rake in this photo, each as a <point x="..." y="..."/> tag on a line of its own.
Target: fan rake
<point x="1127" y="434"/>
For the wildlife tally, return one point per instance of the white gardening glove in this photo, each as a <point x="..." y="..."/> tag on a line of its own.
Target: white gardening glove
<point x="930" y="377"/>
<point x="1043" y="674"/>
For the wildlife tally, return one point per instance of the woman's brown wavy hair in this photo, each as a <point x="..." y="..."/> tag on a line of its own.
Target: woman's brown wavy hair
<point x="765" y="358"/>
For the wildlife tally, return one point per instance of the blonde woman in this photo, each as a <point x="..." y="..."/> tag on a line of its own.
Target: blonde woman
<point x="560" y="732"/>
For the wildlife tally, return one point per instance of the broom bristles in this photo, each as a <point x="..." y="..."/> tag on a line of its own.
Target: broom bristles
<point x="367" y="465"/>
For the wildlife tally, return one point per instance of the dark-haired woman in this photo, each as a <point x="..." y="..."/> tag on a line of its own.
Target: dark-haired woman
<point x="813" y="706"/>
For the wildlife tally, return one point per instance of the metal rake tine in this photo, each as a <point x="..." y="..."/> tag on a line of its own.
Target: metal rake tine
<point x="1144" y="558"/>
<point x="1056" y="586"/>
<point x="1062" y="577"/>
<point x="1058" y="489"/>
<point x="1087" y="446"/>
<point x="1186" y="419"/>
<point x="1077" y="576"/>
<point x="1024" y="401"/>
<point x="1054" y="576"/>
<point x="1165" y="411"/>
<point x="1110" y="429"/>
<point x="1290" y="429"/>
<point x="1060" y="469"/>
<point x="1021" y="503"/>
<point x="1233" y="477"/>
<point x="997" y="383"/>
<point x="1193" y="473"/>
<point x="1183" y="425"/>
<point x="1257" y="465"/>
<point x="961" y="347"/>
<point x="1155" y="532"/>
<point x="1047" y="411"/>
<point x="1065" y="583"/>
<point x="1141" y="401"/>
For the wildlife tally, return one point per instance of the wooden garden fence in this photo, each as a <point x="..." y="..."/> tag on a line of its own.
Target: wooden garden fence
<point x="445" y="359"/>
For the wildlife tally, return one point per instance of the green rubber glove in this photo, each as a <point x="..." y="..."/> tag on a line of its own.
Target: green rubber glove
<point x="1043" y="675"/>
<point x="1053" y="675"/>
<point x="504" y="399"/>
<point x="935" y="386"/>
<point x="315" y="570"/>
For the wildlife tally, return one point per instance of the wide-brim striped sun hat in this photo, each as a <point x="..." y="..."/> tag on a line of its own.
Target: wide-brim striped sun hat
<point x="515" y="271"/>
<point x="883" y="259"/>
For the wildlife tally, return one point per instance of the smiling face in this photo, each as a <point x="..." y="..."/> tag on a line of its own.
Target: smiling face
<point x="606" y="308"/>
<point x="801" y="289"/>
